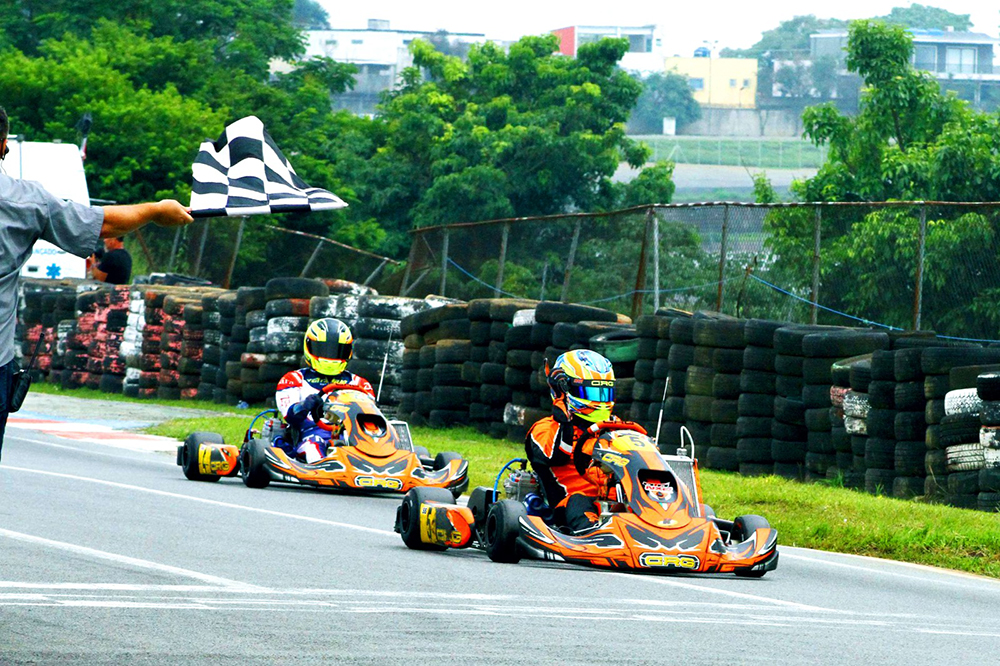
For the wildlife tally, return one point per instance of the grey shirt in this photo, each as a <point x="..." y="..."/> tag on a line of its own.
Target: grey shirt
<point x="29" y="212"/>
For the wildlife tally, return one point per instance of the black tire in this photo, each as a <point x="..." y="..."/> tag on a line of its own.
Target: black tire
<point x="189" y="454"/>
<point x="282" y="288"/>
<point x="409" y="515"/>
<point x="759" y="358"/>
<point x="743" y="527"/>
<point x="936" y="387"/>
<point x="760" y="332"/>
<point x="681" y="330"/>
<point x="502" y="529"/>
<point x="756" y="404"/>
<point x="726" y="386"/>
<point x="725" y="332"/>
<point x="756" y="381"/>
<point x="553" y="312"/>
<point x="389" y="307"/>
<point x="940" y="360"/>
<point x="253" y="467"/>
<point x="988" y="386"/>
<point x="442" y="459"/>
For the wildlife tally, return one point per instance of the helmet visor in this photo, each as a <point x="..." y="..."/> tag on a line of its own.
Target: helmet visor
<point x="330" y="349"/>
<point x="597" y="390"/>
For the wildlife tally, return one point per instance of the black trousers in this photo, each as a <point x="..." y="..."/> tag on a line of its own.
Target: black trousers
<point x="577" y="509"/>
<point x="6" y="379"/>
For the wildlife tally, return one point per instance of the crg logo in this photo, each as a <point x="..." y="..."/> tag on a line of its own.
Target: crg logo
<point x="653" y="560"/>
<point x="372" y="482"/>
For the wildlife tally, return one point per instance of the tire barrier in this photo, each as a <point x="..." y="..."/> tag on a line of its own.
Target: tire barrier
<point x="43" y="305"/>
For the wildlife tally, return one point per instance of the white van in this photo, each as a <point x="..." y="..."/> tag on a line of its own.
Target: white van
<point x="58" y="167"/>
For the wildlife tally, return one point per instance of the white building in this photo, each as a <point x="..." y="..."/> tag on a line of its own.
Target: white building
<point x="645" y="44"/>
<point x="380" y="54"/>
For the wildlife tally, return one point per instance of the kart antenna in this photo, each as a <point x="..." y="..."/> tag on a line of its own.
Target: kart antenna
<point x="385" y="361"/>
<point x="659" y="419"/>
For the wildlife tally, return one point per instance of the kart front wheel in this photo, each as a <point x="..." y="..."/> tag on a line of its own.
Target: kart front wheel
<point x="743" y="527"/>
<point x="253" y="467"/>
<point x="502" y="529"/>
<point x="442" y="459"/>
<point x="408" y="516"/>
<point x="189" y="454"/>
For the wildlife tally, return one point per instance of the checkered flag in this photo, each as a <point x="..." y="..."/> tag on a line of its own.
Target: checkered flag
<point x="245" y="173"/>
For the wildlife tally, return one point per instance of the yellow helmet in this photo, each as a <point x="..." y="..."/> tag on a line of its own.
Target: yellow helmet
<point x="582" y="383"/>
<point x="328" y="346"/>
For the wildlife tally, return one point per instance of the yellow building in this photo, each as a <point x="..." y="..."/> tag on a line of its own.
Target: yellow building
<point x="722" y="82"/>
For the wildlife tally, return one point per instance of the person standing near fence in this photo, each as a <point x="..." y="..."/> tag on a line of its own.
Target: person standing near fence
<point x="29" y="213"/>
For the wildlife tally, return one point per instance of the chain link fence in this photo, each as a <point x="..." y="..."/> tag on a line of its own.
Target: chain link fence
<point x="907" y="265"/>
<point x="232" y="251"/>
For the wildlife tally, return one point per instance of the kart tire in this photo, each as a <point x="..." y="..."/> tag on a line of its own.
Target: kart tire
<point x="442" y="459"/>
<point x="421" y="451"/>
<point x="743" y="527"/>
<point x="189" y="454"/>
<point x="409" y="515"/>
<point x="502" y="529"/>
<point x="253" y="468"/>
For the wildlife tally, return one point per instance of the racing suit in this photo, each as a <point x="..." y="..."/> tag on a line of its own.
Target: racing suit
<point x="298" y="395"/>
<point x="558" y="452"/>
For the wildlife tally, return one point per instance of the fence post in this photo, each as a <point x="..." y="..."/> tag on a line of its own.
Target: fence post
<point x="569" y="261"/>
<point x="145" y="249"/>
<point x="918" y="294"/>
<point x="375" y="272"/>
<point x="444" y="262"/>
<point x="814" y="314"/>
<point x="312" y="258"/>
<point x="173" y="250"/>
<point x="722" y="255"/>
<point x="640" y="274"/>
<point x="545" y="279"/>
<point x="656" y="259"/>
<point x="503" y="257"/>
<point x="408" y="271"/>
<point x="201" y="250"/>
<point x="236" y="251"/>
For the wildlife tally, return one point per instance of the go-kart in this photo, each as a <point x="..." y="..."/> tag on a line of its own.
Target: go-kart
<point x="366" y="452"/>
<point x="651" y="517"/>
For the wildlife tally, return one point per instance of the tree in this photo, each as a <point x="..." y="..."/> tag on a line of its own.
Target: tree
<point x="927" y="18"/>
<point x="310" y="15"/>
<point x="663" y="95"/>
<point x="790" y="36"/>
<point x="443" y="43"/>
<point x="515" y="132"/>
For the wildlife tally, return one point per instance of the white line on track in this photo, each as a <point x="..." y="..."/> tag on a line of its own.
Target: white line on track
<point x="124" y="559"/>
<point x="227" y="505"/>
<point x="95" y="453"/>
<point x="822" y="557"/>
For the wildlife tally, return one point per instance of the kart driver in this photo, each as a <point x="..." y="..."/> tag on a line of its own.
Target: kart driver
<point x="582" y="386"/>
<point x="327" y="348"/>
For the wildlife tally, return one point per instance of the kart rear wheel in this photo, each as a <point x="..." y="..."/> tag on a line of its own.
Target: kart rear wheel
<point x="253" y="467"/>
<point x="743" y="527"/>
<point x="502" y="530"/>
<point x="189" y="454"/>
<point x="408" y="517"/>
<point x="442" y="459"/>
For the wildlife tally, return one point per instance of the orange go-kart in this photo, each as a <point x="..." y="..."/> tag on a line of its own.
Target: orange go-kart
<point x="367" y="452"/>
<point x="651" y="517"/>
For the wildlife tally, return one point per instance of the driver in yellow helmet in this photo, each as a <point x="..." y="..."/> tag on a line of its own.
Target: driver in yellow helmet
<point x="327" y="348"/>
<point x="582" y="385"/>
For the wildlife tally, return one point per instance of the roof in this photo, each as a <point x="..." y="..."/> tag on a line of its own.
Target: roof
<point x="922" y="36"/>
<point x="623" y="28"/>
<point x="404" y="32"/>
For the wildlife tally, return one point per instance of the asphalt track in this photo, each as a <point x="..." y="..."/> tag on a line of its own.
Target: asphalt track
<point x="109" y="556"/>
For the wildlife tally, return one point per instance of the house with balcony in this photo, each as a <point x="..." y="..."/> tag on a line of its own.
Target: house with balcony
<point x="645" y="44"/>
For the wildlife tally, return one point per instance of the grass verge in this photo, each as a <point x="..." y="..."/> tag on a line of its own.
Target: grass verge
<point x="94" y="394"/>
<point x="809" y="515"/>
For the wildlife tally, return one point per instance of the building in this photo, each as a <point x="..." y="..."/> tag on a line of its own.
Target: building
<point x="380" y="54"/>
<point x="645" y="45"/>
<point x="719" y="82"/>
<point x="961" y="61"/>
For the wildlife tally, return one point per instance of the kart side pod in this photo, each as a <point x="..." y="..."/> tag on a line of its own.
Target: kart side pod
<point x="204" y="456"/>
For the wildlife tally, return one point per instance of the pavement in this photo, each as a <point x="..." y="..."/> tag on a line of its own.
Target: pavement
<point x="109" y="555"/>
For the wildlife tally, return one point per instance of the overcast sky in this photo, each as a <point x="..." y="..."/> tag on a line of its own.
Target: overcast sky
<point x="685" y="25"/>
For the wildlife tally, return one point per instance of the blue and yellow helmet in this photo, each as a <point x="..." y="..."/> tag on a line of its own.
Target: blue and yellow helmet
<point x="585" y="380"/>
<point x="328" y="346"/>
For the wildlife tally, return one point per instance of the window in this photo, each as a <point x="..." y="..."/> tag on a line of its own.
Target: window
<point x="696" y="84"/>
<point x="407" y="41"/>
<point x="925" y="57"/>
<point x="357" y="41"/>
<point x="960" y="60"/>
<point x="732" y="83"/>
<point x="746" y="83"/>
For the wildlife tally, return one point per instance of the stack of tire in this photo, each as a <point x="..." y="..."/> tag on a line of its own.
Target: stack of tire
<point x="248" y="299"/>
<point x="848" y="417"/>
<point x="113" y="319"/>
<point x="713" y="388"/>
<point x="988" y="390"/>
<point x="192" y="349"/>
<point x="964" y="453"/>
<point x="909" y="423"/>
<point x="43" y="304"/>
<point x="227" y="348"/>
<point x="131" y="348"/>
<point x="679" y="330"/>
<point x="517" y="361"/>
<point x="942" y="365"/>
<point x="646" y="327"/>
<point x="211" y="351"/>
<point x="74" y="373"/>
<point x="489" y="320"/>
<point x="64" y="330"/>
<point x="92" y="309"/>
<point x="171" y="341"/>
<point x="445" y="323"/>
<point x="152" y="333"/>
<point x="755" y="404"/>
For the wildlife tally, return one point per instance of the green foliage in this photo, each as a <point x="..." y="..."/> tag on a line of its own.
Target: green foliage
<point x="928" y="18"/>
<point x="790" y="35"/>
<point x="310" y="15"/>
<point x="663" y="95"/>
<point x="654" y="184"/>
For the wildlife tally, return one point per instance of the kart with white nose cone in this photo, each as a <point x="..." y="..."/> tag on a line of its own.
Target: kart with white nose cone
<point x="367" y="452"/>
<point x="651" y="517"/>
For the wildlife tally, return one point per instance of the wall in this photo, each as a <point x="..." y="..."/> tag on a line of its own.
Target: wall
<point x="728" y="82"/>
<point x="746" y="122"/>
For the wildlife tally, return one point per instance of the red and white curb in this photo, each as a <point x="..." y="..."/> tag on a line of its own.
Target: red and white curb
<point x="95" y="433"/>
